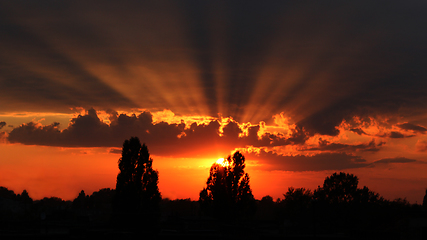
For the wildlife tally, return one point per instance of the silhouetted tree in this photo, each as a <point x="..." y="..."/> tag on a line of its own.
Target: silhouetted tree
<point x="338" y="188"/>
<point x="296" y="207"/>
<point x="425" y="200"/>
<point x="137" y="195"/>
<point x="7" y="194"/>
<point x="103" y="198"/>
<point x="300" y="195"/>
<point x="340" y="197"/>
<point x="366" y="196"/>
<point x="228" y="194"/>
<point x="25" y="198"/>
<point x="267" y="200"/>
<point x="100" y="205"/>
<point x="81" y="202"/>
<point x="266" y="209"/>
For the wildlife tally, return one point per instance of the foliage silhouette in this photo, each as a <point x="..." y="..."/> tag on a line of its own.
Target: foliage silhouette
<point x="296" y="206"/>
<point x="338" y="188"/>
<point x="425" y="201"/>
<point x="266" y="209"/>
<point x="366" y="196"/>
<point x="137" y="197"/>
<point x="364" y="215"/>
<point x="345" y="207"/>
<point x="300" y="195"/>
<point x="82" y="202"/>
<point x="228" y="194"/>
<point x="25" y="198"/>
<point x="7" y="194"/>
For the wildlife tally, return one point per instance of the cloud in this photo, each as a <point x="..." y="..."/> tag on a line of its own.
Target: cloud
<point x="354" y="58"/>
<point x="325" y="145"/>
<point x="3" y="135"/>
<point x="413" y="127"/>
<point x="90" y="131"/>
<point x="179" y="139"/>
<point x="395" y="160"/>
<point x="271" y="161"/>
<point x="162" y="138"/>
<point x="358" y="131"/>
<point x="115" y="150"/>
<point x="394" y="134"/>
<point x="319" y="162"/>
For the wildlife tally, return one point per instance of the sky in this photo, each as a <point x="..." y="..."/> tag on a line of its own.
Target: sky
<point x="302" y="88"/>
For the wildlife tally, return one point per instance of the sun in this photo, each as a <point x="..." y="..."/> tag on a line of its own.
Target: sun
<point x="222" y="162"/>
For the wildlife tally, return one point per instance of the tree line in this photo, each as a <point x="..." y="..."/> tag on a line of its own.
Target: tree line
<point x="136" y="205"/>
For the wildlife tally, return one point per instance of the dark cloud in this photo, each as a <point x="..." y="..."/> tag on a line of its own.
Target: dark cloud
<point x="318" y="62"/>
<point x="89" y="131"/>
<point x="395" y="160"/>
<point x="318" y="162"/>
<point x="394" y="134"/>
<point x="392" y="81"/>
<point x="116" y="150"/>
<point x="358" y="131"/>
<point x="162" y="138"/>
<point x="413" y="127"/>
<point x="325" y="145"/>
<point x="2" y="124"/>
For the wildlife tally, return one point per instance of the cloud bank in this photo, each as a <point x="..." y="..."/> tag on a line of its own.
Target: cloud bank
<point x="318" y="63"/>
<point x="197" y="139"/>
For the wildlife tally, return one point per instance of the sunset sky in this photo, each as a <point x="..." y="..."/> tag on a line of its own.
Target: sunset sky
<point x="303" y="88"/>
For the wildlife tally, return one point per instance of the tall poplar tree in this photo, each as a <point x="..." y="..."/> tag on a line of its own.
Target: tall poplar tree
<point x="137" y="198"/>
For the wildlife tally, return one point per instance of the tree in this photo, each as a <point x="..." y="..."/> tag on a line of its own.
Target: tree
<point x="340" y="197"/>
<point x="7" y="194"/>
<point x="299" y="195"/>
<point x="82" y="201"/>
<point x="296" y="207"/>
<point x="137" y="195"/>
<point x="25" y="198"/>
<point x="338" y="188"/>
<point x="228" y="194"/>
<point x="425" y="200"/>
<point x="366" y="196"/>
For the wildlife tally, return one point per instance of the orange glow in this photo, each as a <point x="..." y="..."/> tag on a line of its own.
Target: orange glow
<point x="59" y="172"/>
<point x="64" y="172"/>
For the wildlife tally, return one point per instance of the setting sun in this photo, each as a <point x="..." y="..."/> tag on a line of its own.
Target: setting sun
<point x="222" y="162"/>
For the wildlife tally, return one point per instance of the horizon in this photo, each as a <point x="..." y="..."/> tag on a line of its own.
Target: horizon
<point x="303" y="90"/>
